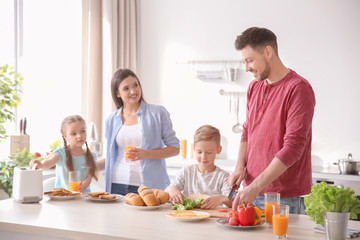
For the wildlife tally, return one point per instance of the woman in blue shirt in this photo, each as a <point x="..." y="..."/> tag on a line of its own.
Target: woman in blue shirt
<point x="150" y="128"/>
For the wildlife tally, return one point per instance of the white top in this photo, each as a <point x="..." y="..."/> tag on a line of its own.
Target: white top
<point x="190" y="180"/>
<point x="126" y="171"/>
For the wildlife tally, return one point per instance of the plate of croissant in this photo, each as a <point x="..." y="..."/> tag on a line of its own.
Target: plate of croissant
<point x="146" y="199"/>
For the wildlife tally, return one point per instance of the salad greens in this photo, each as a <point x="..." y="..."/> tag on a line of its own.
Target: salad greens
<point x="188" y="204"/>
<point x="326" y="198"/>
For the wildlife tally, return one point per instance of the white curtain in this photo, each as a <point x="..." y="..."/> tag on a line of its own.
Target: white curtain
<point x="110" y="41"/>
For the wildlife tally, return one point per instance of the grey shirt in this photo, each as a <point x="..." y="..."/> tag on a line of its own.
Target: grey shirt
<point x="189" y="180"/>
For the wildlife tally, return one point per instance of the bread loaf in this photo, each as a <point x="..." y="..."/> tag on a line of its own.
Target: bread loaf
<point x="148" y="196"/>
<point x="161" y="195"/>
<point x="134" y="199"/>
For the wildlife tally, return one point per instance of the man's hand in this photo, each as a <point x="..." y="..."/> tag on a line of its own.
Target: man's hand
<point x="248" y="195"/>
<point x="237" y="177"/>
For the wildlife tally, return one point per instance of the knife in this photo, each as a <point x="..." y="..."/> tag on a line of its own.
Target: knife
<point x="24" y="126"/>
<point x="21" y="126"/>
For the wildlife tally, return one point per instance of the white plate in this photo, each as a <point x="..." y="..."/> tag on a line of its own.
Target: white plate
<point x="142" y="207"/>
<point x="187" y="219"/>
<point x="118" y="197"/>
<point x="224" y="222"/>
<point x="61" y="197"/>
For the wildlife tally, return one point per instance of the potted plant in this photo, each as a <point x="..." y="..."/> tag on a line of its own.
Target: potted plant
<point x="18" y="159"/>
<point x="332" y="206"/>
<point x="9" y="98"/>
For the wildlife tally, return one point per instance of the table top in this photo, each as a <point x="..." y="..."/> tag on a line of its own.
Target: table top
<point x="84" y="219"/>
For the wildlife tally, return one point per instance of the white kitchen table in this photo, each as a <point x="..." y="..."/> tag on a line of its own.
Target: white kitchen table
<point x="85" y="219"/>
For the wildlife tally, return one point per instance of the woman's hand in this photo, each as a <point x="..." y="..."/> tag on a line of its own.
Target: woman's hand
<point x="135" y="154"/>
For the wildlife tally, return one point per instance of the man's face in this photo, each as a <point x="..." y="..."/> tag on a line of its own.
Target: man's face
<point x="256" y="63"/>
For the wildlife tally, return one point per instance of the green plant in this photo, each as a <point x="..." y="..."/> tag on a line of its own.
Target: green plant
<point x="326" y="198"/>
<point x="18" y="159"/>
<point x="9" y="98"/>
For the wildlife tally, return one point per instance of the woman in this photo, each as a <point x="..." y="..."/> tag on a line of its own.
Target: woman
<point x="147" y="124"/>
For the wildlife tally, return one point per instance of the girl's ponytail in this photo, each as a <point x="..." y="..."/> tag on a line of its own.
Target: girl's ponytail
<point x="90" y="161"/>
<point x="69" y="160"/>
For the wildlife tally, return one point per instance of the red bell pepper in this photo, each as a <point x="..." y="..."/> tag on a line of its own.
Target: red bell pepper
<point x="247" y="214"/>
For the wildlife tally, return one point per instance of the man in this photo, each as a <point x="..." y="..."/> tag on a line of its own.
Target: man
<point x="275" y="148"/>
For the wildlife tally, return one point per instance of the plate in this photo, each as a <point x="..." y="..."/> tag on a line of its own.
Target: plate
<point x="224" y="222"/>
<point x="142" y="207"/>
<point x="118" y="197"/>
<point x="61" y="197"/>
<point x="199" y="216"/>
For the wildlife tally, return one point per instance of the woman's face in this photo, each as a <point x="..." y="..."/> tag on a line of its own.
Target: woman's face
<point x="129" y="90"/>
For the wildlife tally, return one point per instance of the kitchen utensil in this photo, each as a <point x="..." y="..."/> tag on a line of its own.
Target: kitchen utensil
<point x="348" y="165"/>
<point x="231" y="74"/>
<point x="21" y="126"/>
<point x="28" y="185"/>
<point x="237" y="127"/>
<point x="24" y="126"/>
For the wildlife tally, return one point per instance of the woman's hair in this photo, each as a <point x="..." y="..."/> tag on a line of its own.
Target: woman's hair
<point x="207" y="133"/>
<point x="116" y="79"/>
<point x="257" y="38"/>
<point x="90" y="161"/>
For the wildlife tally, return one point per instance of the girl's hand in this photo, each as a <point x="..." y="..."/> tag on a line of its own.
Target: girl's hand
<point x="85" y="184"/>
<point x="35" y="161"/>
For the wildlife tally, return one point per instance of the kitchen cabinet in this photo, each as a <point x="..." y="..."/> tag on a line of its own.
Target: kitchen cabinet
<point x="84" y="219"/>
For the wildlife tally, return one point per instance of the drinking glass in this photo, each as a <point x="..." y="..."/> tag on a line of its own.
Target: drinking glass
<point x="131" y="143"/>
<point x="74" y="181"/>
<point x="271" y="198"/>
<point x="280" y="220"/>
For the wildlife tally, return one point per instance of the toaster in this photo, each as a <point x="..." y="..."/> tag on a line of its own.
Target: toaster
<point x="27" y="185"/>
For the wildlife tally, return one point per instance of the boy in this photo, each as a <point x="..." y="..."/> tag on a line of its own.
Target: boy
<point x="204" y="177"/>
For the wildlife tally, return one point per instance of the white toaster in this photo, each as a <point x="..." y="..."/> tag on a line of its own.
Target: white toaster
<point x="27" y="185"/>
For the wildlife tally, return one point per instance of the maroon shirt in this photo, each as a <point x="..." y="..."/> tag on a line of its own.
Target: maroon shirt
<point x="278" y="124"/>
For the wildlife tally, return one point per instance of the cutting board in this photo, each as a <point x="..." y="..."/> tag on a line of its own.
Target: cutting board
<point x="214" y="213"/>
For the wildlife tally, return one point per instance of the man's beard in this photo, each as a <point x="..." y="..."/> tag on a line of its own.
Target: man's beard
<point x="265" y="74"/>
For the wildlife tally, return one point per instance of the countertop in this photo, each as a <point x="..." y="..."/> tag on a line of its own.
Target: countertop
<point x="84" y="219"/>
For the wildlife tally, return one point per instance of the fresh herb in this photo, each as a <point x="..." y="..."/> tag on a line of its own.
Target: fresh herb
<point x="326" y="198"/>
<point x="188" y="204"/>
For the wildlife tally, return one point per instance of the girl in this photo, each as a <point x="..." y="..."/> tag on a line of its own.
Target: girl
<point x="150" y="128"/>
<point x="72" y="157"/>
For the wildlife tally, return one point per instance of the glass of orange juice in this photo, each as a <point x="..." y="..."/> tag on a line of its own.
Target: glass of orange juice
<point x="74" y="181"/>
<point x="271" y="198"/>
<point x="280" y="220"/>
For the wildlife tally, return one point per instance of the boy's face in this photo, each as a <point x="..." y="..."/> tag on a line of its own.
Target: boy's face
<point x="205" y="152"/>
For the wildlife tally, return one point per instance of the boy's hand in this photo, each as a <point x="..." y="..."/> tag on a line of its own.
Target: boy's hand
<point x="213" y="202"/>
<point x="175" y="195"/>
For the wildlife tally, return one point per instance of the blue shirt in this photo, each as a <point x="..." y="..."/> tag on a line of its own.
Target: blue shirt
<point x="157" y="132"/>
<point x="79" y="163"/>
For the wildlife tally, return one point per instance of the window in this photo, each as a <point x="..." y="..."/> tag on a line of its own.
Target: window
<point x="50" y="62"/>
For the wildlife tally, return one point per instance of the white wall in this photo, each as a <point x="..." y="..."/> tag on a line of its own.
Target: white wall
<point x="319" y="39"/>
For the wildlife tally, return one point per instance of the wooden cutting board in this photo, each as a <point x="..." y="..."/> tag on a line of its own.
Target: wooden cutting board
<point x="215" y="213"/>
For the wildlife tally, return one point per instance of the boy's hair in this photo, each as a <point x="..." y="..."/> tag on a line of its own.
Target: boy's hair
<point x="116" y="79"/>
<point x="257" y="38"/>
<point x="207" y="133"/>
<point x="90" y="161"/>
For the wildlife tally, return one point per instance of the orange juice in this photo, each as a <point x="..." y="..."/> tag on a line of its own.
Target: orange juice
<point x="268" y="211"/>
<point x="183" y="145"/>
<point x="128" y="156"/>
<point x="280" y="224"/>
<point x="74" y="186"/>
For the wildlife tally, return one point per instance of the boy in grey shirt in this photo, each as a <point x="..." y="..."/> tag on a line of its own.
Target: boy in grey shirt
<point x="204" y="177"/>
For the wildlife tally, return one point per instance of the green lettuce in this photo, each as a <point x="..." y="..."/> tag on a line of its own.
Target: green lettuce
<point x="188" y="204"/>
<point x="326" y="198"/>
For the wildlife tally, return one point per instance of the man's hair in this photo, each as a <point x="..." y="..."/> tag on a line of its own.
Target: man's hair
<point x="257" y="38"/>
<point x="207" y="133"/>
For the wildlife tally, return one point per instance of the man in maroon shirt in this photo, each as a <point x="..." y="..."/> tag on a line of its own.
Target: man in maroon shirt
<point x="275" y="148"/>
